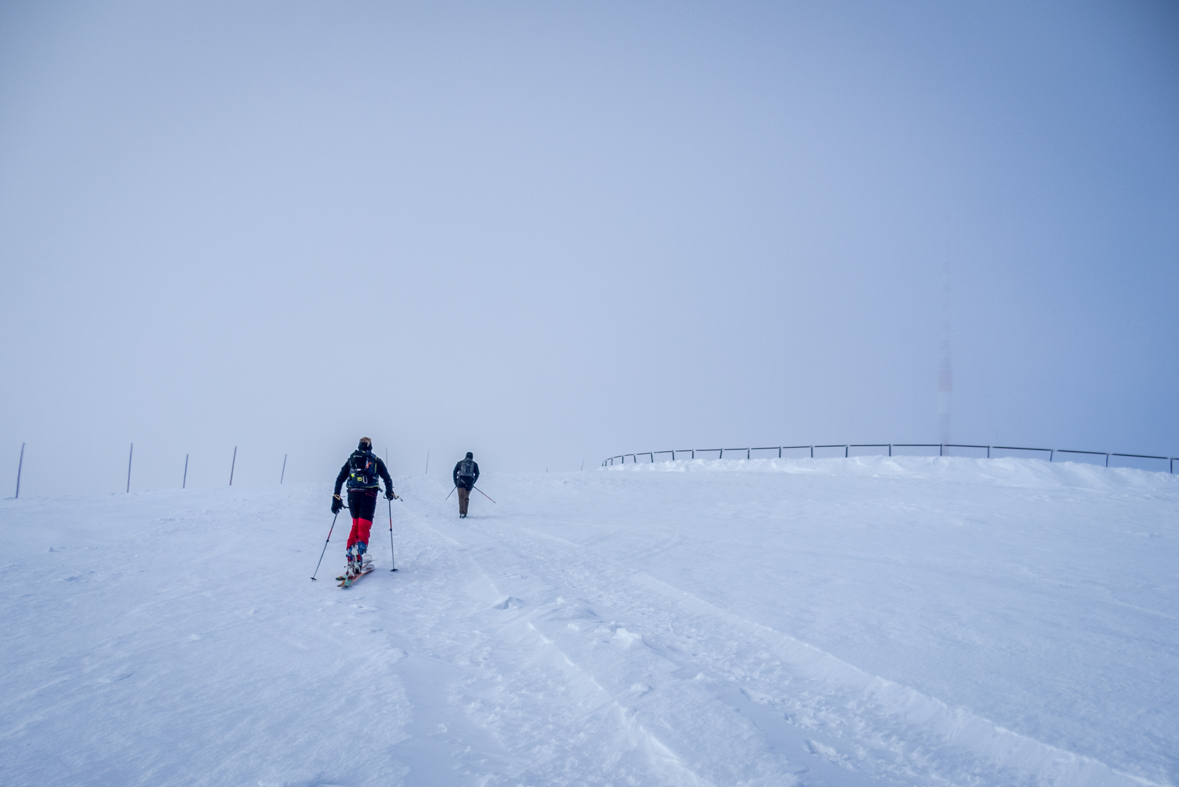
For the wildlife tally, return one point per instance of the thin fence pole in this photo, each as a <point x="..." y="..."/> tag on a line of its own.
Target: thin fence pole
<point x="427" y="463"/>
<point x="1107" y="460"/>
<point x="184" y="481"/>
<point x="284" y="468"/>
<point x="812" y="452"/>
<point x="232" y="465"/>
<point x="845" y="450"/>
<point x="20" y="466"/>
<point x="130" y="455"/>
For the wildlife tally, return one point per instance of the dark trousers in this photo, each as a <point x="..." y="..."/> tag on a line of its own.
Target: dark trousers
<point x="464" y="496"/>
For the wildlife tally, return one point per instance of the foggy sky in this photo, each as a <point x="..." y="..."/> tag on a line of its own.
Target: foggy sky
<point x="544" y="232"/>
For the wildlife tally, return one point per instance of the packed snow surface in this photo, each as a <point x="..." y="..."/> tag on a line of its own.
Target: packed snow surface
<point x="865" y="621"/>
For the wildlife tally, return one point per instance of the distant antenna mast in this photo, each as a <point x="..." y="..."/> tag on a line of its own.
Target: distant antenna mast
<point x="945" y="382"/>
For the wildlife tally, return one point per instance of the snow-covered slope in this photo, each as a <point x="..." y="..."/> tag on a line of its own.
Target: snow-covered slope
<point x="842" y="622"/>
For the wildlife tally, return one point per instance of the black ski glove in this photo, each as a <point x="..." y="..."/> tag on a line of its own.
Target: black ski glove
<point x="390" y="495"/>
<point x="337" y="504"/>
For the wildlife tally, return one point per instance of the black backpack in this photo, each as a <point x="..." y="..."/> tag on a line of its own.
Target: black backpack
<point x="466" y="469"/>
<point x="362" y="470"/>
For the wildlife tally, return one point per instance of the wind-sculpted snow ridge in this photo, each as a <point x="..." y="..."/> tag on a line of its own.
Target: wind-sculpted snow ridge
<point x="1004" y="470"/>
<point x="868" y="621"/>
<point x="931" y="731"/>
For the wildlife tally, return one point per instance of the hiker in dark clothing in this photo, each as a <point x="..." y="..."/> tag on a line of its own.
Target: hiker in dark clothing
<point x="466" y="473"/>
<point x="362" y="471"/>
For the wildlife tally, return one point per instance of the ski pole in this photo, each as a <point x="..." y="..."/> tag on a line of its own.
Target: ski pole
<point x="480" y="491"/>
<point x="392" y="554"/>
<point x="325" y="543"/>
<point x="451" y="493"/>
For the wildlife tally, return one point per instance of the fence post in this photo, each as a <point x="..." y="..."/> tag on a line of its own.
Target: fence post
<point x="1051" y="454"/>
<point x="1107" y="460"/>
<point x="941" y="449"/>
<point x="184" y="481"/>
<point x="779" y="452"/>
<point x="748" y="451"/>
<point x="232" y="465"/>
<point x="845" y="451"/>
<point x="20" y="466"/>
<point x="130" y="454"/>
<point x="693" y="453"/>
<point x="722" y="454"/>
<point x="988" y="452"/>
<point x="812" y="452"/>
<point x="284" y="466"/>
<point x="890" y="449"/>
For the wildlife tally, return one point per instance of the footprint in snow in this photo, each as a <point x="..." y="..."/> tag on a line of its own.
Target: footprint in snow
<point x="571" y="611"/>
<point x="828" y="754"/>
<point x="625" y="639"/>
<point x="511" y="602"/>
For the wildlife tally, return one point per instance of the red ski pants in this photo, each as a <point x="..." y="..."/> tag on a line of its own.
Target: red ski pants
<point x="360" y="532"/>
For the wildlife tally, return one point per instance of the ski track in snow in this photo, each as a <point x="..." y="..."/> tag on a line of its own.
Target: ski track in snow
<point x="572" y="635"/>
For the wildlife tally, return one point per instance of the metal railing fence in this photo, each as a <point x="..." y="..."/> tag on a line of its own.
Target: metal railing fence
<point x="748" y="451"/>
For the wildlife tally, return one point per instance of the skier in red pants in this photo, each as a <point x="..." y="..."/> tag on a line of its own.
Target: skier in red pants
<point x="362" y="471"/>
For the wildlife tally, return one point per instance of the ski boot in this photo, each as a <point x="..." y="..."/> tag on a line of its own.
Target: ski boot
<point x="350" y="572"/>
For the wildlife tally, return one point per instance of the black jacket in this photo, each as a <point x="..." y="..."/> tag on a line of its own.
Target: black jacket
<point x="466" y="481"/>
<point x="345" y="471"/>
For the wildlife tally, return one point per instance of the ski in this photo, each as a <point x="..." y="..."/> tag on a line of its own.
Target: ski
<point x="349" y="582"/>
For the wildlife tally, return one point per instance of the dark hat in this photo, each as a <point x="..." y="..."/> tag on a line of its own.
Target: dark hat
<point x="470" y="455"/>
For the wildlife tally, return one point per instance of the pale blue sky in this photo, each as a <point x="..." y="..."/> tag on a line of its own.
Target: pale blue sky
<point x="544" y="231"/>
